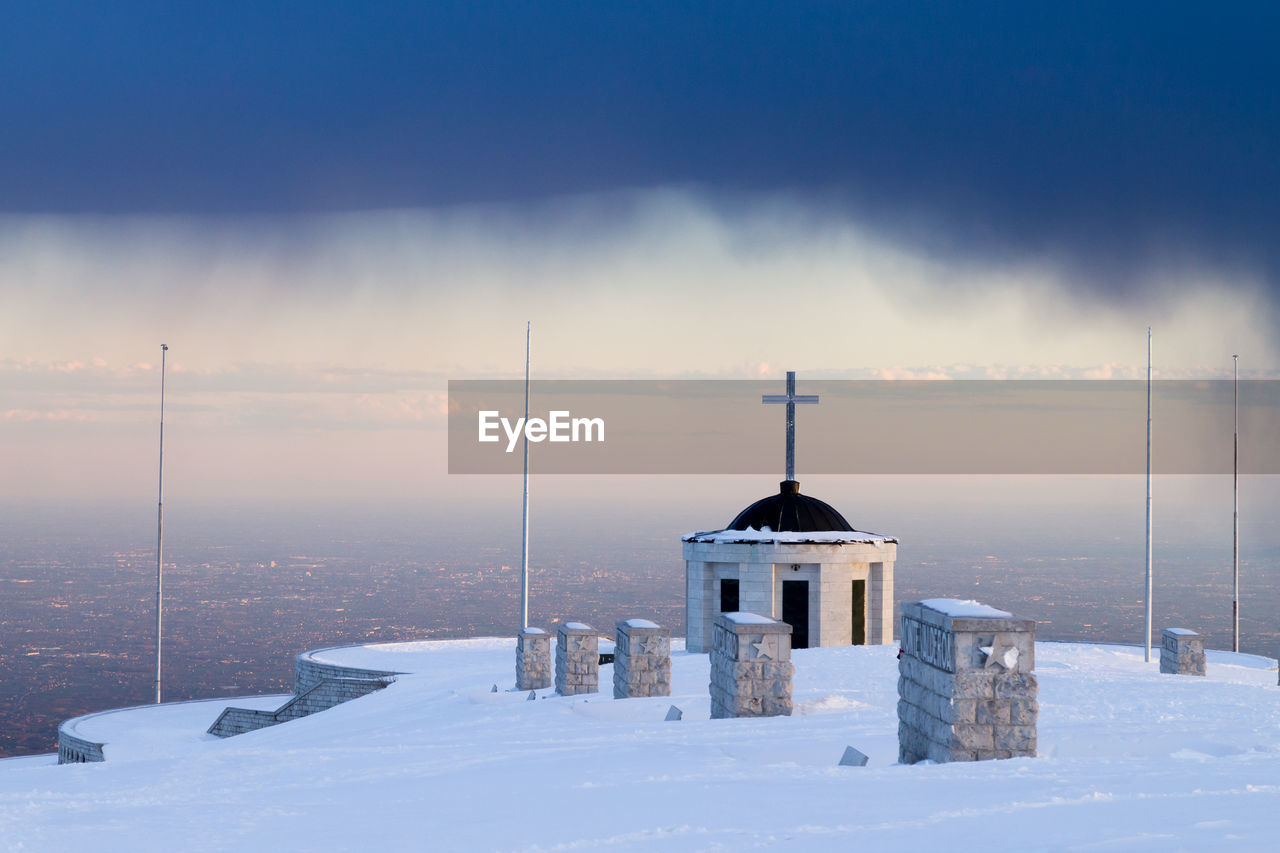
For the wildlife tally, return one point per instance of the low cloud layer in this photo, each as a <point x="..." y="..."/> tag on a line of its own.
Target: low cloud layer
<point x="1114" y="140"/>
<point x="334" y="333"/>
<point x="666" y="282"/>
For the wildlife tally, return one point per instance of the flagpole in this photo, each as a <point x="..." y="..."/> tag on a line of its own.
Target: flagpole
<point x="524" y="527"/>
<point x="1235" y="508"/>
<point x="164" y="348"/>
<point x="1146" y="642"/>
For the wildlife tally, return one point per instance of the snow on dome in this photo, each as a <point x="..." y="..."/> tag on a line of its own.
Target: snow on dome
<point x="797" y="537"/>
<point x="641" y="623"/>
<point x="965" y="608"/>
<point x="577" y="626"/>
<point x="534" y="631"/>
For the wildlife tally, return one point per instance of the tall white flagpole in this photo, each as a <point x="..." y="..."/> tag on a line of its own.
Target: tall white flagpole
<point x="1235" y="509"/>
<point x="1146" y="640"/>
<point x="524" y="527"/>
<point x="160" y="531"/>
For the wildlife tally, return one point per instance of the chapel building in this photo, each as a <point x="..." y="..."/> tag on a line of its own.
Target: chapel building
<point x="794" y="558"/>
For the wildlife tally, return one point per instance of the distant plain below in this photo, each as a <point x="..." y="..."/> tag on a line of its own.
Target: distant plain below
<point x="247" y="588"/>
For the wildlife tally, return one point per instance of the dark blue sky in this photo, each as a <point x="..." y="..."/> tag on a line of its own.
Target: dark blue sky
<point x="1094" y="129"/>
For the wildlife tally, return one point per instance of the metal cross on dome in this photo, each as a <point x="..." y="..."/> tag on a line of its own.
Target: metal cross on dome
<point x="790" y="398"/>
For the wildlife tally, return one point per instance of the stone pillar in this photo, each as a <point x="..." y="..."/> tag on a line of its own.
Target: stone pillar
<point x="641" y="660"/>
<point x="533" y="659"/>
<point x="880" y="604"/>
<point x="577" y="659"/>
<point x="750" y="667"/>
<point x="1181" y="652"/>
<point x="699" y="611"/>
<point x="966" y="686"/>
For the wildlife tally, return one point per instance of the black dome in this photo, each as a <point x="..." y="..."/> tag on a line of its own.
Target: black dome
<point x="790" y="511"/>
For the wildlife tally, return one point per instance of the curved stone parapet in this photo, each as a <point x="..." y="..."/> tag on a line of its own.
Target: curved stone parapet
<point x="76" y="750"/>
<point x="318" y="685"/>
<point x="85" y="738"/>
<point x="308" y="672"/>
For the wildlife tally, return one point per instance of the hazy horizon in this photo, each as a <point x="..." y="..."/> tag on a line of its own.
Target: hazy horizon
<point x="249" y="586"/>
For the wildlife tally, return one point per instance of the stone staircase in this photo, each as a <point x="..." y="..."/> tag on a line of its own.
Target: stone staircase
<point x="317" y="686"/>
<point x="320" y="697"/>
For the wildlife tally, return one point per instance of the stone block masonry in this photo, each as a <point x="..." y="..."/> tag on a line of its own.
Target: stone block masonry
<point x="966" y="686"/>
<point x="751" y="667"/>
<point x="577" y="659"/>
<point x="308" y="672"/>
<point x="75" y="750"/>
<point x="1181" y="652"/>
<point x="641" y="660"/>
<point x="317" y="686"/>
<point x="533" y="659"/>
<point x="319" y="697"/>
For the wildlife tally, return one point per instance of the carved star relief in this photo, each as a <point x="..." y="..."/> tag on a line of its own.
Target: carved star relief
<point x="650" y="646"/>
<point x="765" y="648"/>
<point x="574" y="643"/>
<point x="1001" y="654"/>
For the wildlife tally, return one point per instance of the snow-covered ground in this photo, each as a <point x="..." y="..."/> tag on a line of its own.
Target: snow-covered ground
<point x="1129" y="760"/>
<point x="155" y="731"/>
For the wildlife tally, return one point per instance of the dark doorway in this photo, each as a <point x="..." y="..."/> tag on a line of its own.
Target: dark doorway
<point x="795" y="611"/>
<point x="728" y="595"/>
<point x="859" y="613"/>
